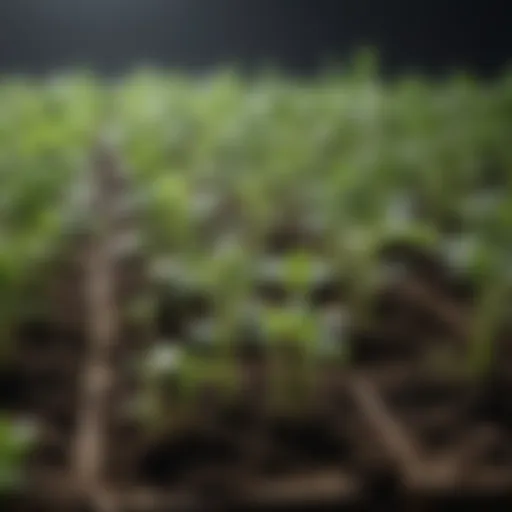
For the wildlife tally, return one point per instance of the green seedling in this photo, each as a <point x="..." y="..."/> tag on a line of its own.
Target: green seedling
<point x="258" y="208"/>
<point x="215" y="334"/>
<point x="170" y="198"/>
<point x="358" y="254"/>
<point x="295" y="275"/>
<point x="301" y="272"/>
<point x="218" y="373"/>
<point x="16" y="441"/>
<point x="174" y="379"/>
<point x="484" y="327"/>
<point x="493" y="302"/>
<point x="226" y="273"/>
<point x="293" y="337"/>
<point x="492" y="307"/>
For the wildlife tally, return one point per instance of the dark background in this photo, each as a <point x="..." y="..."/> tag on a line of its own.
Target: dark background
<point x="297" y="35"/>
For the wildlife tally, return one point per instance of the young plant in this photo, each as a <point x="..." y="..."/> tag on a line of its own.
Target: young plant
<point x="227" y="275"/>
<point x="293" y="334"/>
<point x="258" y="209"/>
<point x="16" y="441"/>
<point x="492" y="307"/>
<point x="358" y="259"/>
<point x="170" y="209"/>
<point x="302" y="272"/>
<point x="294" y="276"/>
<point x="176" y="375"/>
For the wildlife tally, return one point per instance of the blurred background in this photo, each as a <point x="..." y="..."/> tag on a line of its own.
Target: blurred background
<point x="297" y="35"/>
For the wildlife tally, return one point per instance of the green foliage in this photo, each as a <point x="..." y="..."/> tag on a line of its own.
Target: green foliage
<point x="354" y="160"/>
<point x="46" y="130"/>
<point x="16" y="440"/>
<point x="290" y="326"/>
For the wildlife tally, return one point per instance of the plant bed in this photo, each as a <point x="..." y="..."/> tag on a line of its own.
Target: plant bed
<point x="304" y="329"/>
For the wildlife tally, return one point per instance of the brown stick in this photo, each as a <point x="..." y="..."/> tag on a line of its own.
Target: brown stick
<point x="102" y="322"/>
<point x="398" y="446"/>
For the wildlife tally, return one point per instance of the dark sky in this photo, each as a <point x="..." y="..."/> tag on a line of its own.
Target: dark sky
<point x="298" y="35"/>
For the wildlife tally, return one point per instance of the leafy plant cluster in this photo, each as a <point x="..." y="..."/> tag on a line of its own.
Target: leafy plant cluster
<point x="45" y="131"/>
<point x="342" y="165"/>
<point x="267" y="202"/>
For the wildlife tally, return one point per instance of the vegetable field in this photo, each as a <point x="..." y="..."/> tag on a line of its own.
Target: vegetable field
<point x="223" y="294"/>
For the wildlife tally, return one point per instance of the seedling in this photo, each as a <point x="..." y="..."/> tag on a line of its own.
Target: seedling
<point x="302" y="272"/>
<point x="491" y="310"/>
<point x="293" y="336"/>
<point x="16" y="441"/>
<point x="174" y="379"/>
<point x="170" y="200"/>
<point x="226" y="274"/>
<point x="292" y="277"/>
